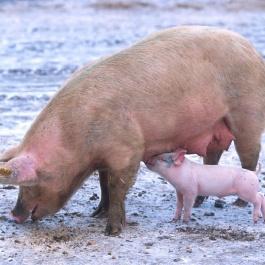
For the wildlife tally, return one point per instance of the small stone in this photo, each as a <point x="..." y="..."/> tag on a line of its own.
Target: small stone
<point x="3" y="218"/>
<point x="188" y="249"/>
<point x="149" y="244"/>
<point x="94" y="197"/>
<point x="89" y="243"/>
<point x="209" y="214"/>
<point x="212" y="237"/>
<point x="250" y="238"/>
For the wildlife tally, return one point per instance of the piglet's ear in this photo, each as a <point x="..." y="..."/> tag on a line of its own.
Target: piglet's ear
<point x="20" y="170"/>
<point x="179" y="157"/>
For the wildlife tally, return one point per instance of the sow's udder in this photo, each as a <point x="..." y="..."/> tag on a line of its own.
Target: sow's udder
<point x="217" y="139"/>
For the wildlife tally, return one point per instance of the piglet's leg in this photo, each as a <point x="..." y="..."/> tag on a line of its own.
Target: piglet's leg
<point x="262" y="205"/>
<point x="188" y="201"/>
<point x="211" y="158"/>
<point x="179" y="207"/>
<point x="257" y="206"/>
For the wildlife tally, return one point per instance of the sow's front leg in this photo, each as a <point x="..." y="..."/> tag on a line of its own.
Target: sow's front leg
<point x="103" y="207"/>
<point x="119" y="183"/>
<point x="114" y="188"/>
<point x="122" y="162"/>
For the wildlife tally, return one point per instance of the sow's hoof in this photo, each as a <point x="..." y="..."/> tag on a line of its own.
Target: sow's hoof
<point x="115" y="222"/>
<point x="219" y="203"/>
<point x="100" y="212"/>
<point x="240" y="203"/>
<point x="199" y="200"/>
<point x="113" y="230"/>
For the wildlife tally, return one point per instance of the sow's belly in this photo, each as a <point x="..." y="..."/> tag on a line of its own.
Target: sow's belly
<point x="216" y="138"/>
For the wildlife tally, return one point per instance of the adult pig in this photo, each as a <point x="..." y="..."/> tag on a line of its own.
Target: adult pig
<point x="190" y="87"/>
<point x="191" y="179"/>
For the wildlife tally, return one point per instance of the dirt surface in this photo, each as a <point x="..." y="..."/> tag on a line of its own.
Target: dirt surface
<point x="42" y="43"/>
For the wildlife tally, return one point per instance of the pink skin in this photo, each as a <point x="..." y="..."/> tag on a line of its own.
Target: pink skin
<point x="192" y="179"/>
<point x="18" y="219"/>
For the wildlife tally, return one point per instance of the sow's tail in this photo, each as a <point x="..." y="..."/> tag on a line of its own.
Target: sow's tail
<point x="259" y="169"/>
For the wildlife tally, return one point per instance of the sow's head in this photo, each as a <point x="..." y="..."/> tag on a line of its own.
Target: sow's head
<point x="37" y="196"/>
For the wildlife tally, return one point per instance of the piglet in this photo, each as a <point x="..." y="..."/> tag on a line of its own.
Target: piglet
<point x="191" y="179"/>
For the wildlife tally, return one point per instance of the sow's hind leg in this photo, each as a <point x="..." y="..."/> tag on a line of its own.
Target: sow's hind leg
<point x="248" y="129"/>
<point x="248" y="150"/>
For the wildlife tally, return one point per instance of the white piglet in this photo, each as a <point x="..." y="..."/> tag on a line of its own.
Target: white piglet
<point x="191" y="179"/>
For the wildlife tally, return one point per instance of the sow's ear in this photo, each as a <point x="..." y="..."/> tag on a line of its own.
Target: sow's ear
<point x="8" y="154"/>
<point x="20" y="170"/>
<point x="179" y="157"/>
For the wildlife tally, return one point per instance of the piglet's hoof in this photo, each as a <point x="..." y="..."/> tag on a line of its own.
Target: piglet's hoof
<point x="239" y="202"/>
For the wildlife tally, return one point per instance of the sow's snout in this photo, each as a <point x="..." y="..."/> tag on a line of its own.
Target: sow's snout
<point x="35" y="201"/>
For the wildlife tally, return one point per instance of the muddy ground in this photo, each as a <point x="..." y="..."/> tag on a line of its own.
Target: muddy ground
<point x="41" y="44"/>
